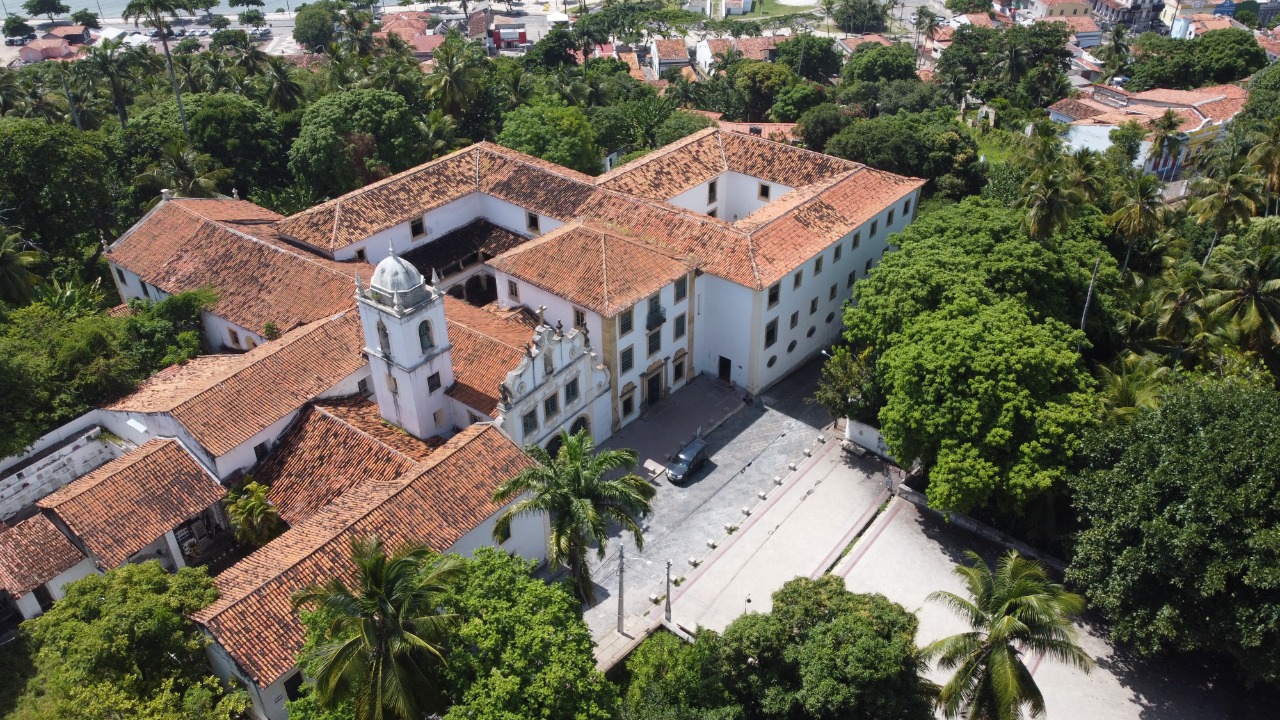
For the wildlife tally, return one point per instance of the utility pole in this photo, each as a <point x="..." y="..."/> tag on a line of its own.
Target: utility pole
<point x="621" y="565"/>
<point x="668" y="591"/>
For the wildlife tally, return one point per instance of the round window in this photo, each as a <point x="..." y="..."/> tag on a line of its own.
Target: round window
<point x="773" y="360"/>
<point x="791" y="346"/>
<point x="830" y="316"/>
<point x="812" y="330"/>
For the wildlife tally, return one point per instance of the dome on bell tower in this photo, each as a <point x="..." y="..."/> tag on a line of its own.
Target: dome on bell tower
<point x="396" y="282"/>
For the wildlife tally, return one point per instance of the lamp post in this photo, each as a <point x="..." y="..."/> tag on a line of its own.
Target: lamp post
<point x="621" y="567"/>
<point x="668" y="591"/>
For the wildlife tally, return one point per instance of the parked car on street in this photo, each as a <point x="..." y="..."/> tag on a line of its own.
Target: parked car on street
<point x="691" y="457"/>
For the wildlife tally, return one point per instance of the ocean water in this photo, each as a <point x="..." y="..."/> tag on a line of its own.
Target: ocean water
<point x="113" y="8"/>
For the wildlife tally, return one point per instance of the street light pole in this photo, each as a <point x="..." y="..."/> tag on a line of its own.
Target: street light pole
<point x="668" y="591"/>
<point x="621" y="566"/>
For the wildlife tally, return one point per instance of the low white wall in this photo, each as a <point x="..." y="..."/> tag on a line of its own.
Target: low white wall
<point x="868" y="437"/>
<point x="84" y="452"/>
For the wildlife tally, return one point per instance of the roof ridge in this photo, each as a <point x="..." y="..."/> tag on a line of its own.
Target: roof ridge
<point x="308" y="257"/>
<point x="123" y="462"/>
<point x="317" y="407"/>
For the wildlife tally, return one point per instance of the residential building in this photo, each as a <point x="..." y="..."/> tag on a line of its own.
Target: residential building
<point x="1177" y="14"/>
<point x="666" y="54"/>
<point x="1203" y="113"/>
<point x="850" y="43"/>
<point x="1202" y="23"/>
<point x="1085" y="32"/>
<point x="736" y="7"/>
<point x="73" y="34"/>
<point x="509" y="33"/>
<point x="1138" y="15"/>
<point x="1058" y="8"/>
<point x="707" y="49"/>
<point x="415" y="29"/>
<point x="45" y="49"/>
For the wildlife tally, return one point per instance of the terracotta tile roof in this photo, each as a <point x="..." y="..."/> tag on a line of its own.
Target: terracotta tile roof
<point x="67" y="31"/>
<point x="32" y="553"/>
<point x="943" y="34"/>
<point x="125" y="505"/>
<point x="436" y="503"/>
<point x="476" y="239"/>
<point x="593" y="268"/>
<point x="231" y="246"/>
<point x="485" y="347"/>
<point x="332" y="447"/>
<point x="477" y="24"/>
<point x="1206" y="22"/>
<point x="483" y="167"/>
<point x="633" y="63"/>
<point x="718" y="46"/>
<point x="1075" y="109"/>
<point x="225" y="400"/>
<point x="777" y="132"/>
<point x="670" y="170"/>
<point x="672" y="49"/>
<point x="1222" y="110"/>
<point x="926" y="75"/>
<point x="1077" y="23"/>
<point x="121" y="310"/>
<point x="980" y="19"/>
<point x="756" y="48"/>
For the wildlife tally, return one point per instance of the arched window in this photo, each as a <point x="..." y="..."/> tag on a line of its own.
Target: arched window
<point x="384" y="341"/>
<point x="424" y="335"/>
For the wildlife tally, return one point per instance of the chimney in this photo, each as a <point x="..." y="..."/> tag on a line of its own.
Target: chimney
<point x="166" y="194"/>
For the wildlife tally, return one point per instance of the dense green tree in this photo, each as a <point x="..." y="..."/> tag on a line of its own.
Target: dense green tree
<point x="873" y="63"/>
<point x="54" y="185"/>
<point x="554" y="50"/>
<point x="1014" y="610"/>
<point x="16" y="26"/>
<point x="1263" y="102"/>
<point x="1001" y="442"/>
<point x="48" y="8"/>
<point x="520" y="649"/>
<point x="242" y="136"/>
<point x="559" y="134"/>
<point x="963" y="7"/>
<point x="760" y="84"/>
<point x="1218" y="56"/>
<point x="1022" y="65"/>
<point x="680" y="124"/>
<point x="86" y="18"/>
<point x="1185" y="558"/>
<point x="813" y="57"/>
<point x="376" y="647"/>
<point x="795" y="100"/>
<point x="572" y="488"/>
<point x="819" y="124"/>
<point x="923" y="145"/>
<point x="121" y="645"/>
<point x="313" y="25"/>
<point x="893" y="96"/>
<point x="353" y="137"/>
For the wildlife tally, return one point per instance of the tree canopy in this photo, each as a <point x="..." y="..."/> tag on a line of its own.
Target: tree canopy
<point x="932" y="146"/>
<point x="812" y="57"/>
<point x="559" y="134"/>
<point x="1218" y="56"/>
<point x="871" y="62"/>
<point x="350" y="138"/>
<point x="1185" y="556"/>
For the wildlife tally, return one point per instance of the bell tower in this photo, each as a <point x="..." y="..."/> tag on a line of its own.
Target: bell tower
<point x="407" y="343"/>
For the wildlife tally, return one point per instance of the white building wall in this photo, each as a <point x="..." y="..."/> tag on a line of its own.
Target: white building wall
<point x="530" y="386"/>
<point x="740" y="195"/>
<point x="243" y="456"/>
<point x="638" y="340"/>
<point x="216" y="335"/>
<point x="81" y="570"/>
<point x="557" y="308"/>
<point x="86" y="452"/>
<point x="28" y="606"/>
<point x="695" y="198"/>
<point x="724" y="324"/>
<point x="528" y="537"/>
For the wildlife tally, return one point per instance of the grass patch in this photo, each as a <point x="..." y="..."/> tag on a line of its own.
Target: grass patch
<point x="849" y="548"/>
<point x="772" y="8"/>
<point x="999" y="145"/>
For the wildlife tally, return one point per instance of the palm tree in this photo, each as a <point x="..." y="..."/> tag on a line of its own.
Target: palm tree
<point x="1085" y="174"/>
<point x="1049" y="201"/>
<point x="1174" y="308"/>
<point x="185" y="172"/>
<point x="114" y="62"/>
<point x="1133" y="387"/>
<point x="456" y="77"/>
<point x="573" y="490"/>
<point x="254" y="518"/>
<point x="1012" y="610"/>
<point x="439" y="134"/>
<point x="1013" y="62"/>
<point x="1166" y="142"/>
<point x="280" y="91"/>
<point x="1265" y="158"/>
<point x="926" y="24"/>
<point x="828" y="10"/>
<point x="384" y="636"/>
<point x="1141" y="210"/>
<point x="1114" y="54"/>
<point x="1244" y="291"/>
<point x="17" y="282"/>
<point x="1225" y="200"/>
<point x="153" y="13"/>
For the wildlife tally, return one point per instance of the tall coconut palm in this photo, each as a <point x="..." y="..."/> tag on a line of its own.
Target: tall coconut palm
<point x="574" y="489"/>
<point x="254" y="518"/>
<point x="1141" y="210"/>
<point x="1014" y="610"/>
<point x="1114" y="53"/>
<point x="1049" y="200"/>
<point x="1244" y="292"/>
<point x="115" y="63"/>
<point x="1265" y="158"/>
<point x="1166" y="142"/>
<point x="185" y="172"/>
<point x="1013" y="62"/>
<point x="1225" y="200"/>
<point x="1133" y="386"/>
<point x="1085" y="174"/>
<point x="926" y="24"/>
<point x="280" y="91"/>
<point x="17" y="282"/>
<point x="1174" y="308"/>
<point x="156" y="14"/>
<point x="828" y="10"/>
<point x="384" y="635"/>
<point x="456" y="78"/>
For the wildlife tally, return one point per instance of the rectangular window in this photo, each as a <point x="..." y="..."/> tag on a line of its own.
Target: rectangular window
<point x="795" y="319"/>
<point x="513" y="290"/>
<point x="797" y="279"/>
<point x="677" y="371"/>
<point x="682" y="288"/>
<point x="764" y="192"/>
<point x="906" y="208"/>
<point x="867" y="269"/>
<point x="655" y="341"/>
<point x="890" y="220"/>
<point x="774" y="292"/>
<point x="627" y="359"/>
<point x="505" y="535"/>
<point x="361" y="255"/>
<point x="531" y="221"/>
<point x="628" y="404"/>
<point x="530" y="422"/>
<point x="551" y="407"/>
<point x="813" y="306"/>
<point x="857" y="240"/>
<point x="655" y="305"/>
<point x="711" y="192"/>
<point x="875" y="227"/>
<point x="579" y="318"/>
<point x="362" y="387"/>
<point x="416" y="227"/>
<point x="771" y="333"/>
<point x="571" y="392"/>
<point x="839" y="249"/>
<point x="235" y="338"/>
<point x="120" y="274"/>
<point x="679" y="327"/>
<point x="853" y="275"/>
<point x="260" y="450"/>
<point x="626" y="320"/>
<point x="433" y="382"/>
<point x="832" y="295"/>
<point x="817" y="266"/>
